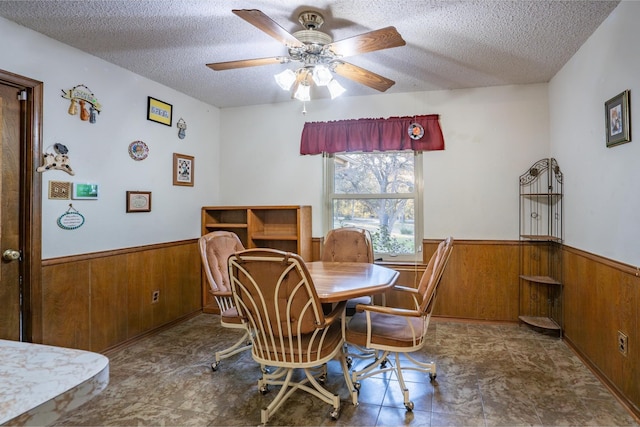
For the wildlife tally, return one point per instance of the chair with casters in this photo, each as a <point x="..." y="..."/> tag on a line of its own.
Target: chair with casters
<point x="215" y="249"/>
<point x="349" y="244"/>
<point x="399" y="331"/>
<point x="279" y="305"/>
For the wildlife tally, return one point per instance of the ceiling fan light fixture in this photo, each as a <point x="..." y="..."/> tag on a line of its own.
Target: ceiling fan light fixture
<point x="321" y="75"/>
<point x="319" y="56"/>
<point x="285" y="79"/>
<point x="335" y="88"/>
<point x="302" y="93"/>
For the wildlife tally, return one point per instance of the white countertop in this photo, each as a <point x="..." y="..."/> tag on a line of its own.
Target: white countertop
<point x="39" y="383"/>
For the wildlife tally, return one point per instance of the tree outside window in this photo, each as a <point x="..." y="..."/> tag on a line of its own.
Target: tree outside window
<point x="379" y="192"/>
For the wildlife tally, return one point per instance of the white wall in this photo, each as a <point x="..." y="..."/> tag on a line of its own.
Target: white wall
<point x="492" y="135"/>
<point x="98" y="152"/>
<point x="602" y="185"/>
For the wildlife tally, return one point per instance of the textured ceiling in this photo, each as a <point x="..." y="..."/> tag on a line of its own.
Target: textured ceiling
<point x="450" y="44"/>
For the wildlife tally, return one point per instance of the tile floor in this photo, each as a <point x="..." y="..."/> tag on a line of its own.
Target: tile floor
<point x="488" y="375"/>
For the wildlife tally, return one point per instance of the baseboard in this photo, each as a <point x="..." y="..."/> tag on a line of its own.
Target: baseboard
<point x="628" y="405"/>
<point x="148" y="333"/>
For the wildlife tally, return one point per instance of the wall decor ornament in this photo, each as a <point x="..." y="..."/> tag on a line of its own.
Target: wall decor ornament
<point x="138" y="150"/>
<point x="416" y="131"/>
<point x="182" y="127"/>
<point x="85" y="191"/>
<point x="59" y="190"/>
<point x="71" y="219"/>
<point x="618" y="119"/>
<point x="159" y="111"/>
<point x="57" y="161"/>
<point x="138" y="201"/>
<point x="183" y="169"/>
<point x="82" y="101"/>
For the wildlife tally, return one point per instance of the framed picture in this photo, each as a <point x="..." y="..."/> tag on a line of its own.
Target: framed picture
<point x="87" y="191"/>
<point x="138" y="201"/>
<point x="183" y="167"/>
<point x="159" y="111"/>
<point x="618" y="119"/>
<point x="59" y="190"/>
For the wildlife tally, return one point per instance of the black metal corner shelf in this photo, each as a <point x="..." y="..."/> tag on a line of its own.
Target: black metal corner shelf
<point x="540" y="278"/>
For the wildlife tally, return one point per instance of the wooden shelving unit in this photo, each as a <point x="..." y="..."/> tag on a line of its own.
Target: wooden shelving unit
<point x="287" y="228"/>
<point x="540" y="287"/>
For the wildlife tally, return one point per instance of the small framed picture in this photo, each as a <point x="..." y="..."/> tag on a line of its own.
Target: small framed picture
<point x="138" y="201"/>
<point x="59" y="190"/>
<point x="86" y="191"/>
<point x="159" y="111"/>
<point x="183" y="169"/>
<point x="618" y="120"/>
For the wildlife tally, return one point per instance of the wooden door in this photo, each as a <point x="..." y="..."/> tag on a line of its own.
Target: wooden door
<point x="21" y="202"/>
<point x="10" y="242"/>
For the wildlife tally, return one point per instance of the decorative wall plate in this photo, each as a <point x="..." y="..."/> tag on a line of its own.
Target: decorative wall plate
<point x="138" y="150"/>
<point x="416" y="131"/>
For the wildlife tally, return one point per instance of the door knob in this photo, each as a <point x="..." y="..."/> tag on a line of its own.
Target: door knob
<point x="11" y="255"/>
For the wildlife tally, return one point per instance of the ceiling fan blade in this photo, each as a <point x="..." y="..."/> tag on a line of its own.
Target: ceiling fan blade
<point x="360" y="75"/>
<point x="243" y="63"/>
<point x="269" y="26"/>
<point x="383" y="38"/>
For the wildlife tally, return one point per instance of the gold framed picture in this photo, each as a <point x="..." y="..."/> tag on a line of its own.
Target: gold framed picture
<point x="183" y="169"/>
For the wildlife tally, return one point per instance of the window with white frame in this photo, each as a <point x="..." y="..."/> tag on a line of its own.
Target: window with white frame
<point x="381" y="192"/>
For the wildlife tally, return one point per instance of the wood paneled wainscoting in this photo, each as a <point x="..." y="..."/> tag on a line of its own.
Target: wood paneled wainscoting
<point x="479" y="283"/>
<point x="602" y="297"/>
<point x="100" y="300"/>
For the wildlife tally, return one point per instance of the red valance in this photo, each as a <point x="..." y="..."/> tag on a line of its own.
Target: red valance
<point x="368" y="135"/>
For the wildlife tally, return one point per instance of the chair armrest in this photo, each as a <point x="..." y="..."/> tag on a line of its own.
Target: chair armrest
<point x="389" y="310"/>
<point x="405" y="289"/>
<point x="221" y="293"/>
<point x="336" y="313"/>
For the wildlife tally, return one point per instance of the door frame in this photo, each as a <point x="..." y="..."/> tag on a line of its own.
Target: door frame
<point x="30" y="203"/>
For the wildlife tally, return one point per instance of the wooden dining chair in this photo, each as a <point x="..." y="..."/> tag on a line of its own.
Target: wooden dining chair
<point x="399" y="331"/>
<point x="215" y="249"/>
<point x="278" y="303"/>
<point x="349" y="244"/>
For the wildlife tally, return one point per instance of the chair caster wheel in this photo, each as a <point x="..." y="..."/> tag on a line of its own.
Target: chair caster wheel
<point x="214" y="366"/>
<point x="383" y="364"/>
<point x="432" y="377"/>
<point x="357" y="386"/>
<point x="409" y="406"/>
<point x="335" y="414"/>
<point x="349" y="362"/>
<point x="264" y="389"/>
<point x="322" y="379"/>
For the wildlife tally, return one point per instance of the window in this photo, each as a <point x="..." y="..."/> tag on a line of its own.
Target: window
<point x="381" y="192"/>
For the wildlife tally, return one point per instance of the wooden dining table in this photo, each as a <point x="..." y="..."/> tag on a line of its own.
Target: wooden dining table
<point x="340" y="281"/>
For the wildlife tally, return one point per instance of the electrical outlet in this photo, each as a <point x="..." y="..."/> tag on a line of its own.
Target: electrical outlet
<point x="155" y="297"/>
<point x="623" y="343"/>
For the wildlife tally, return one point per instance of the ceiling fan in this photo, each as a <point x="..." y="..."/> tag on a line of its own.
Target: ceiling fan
<point x="317" y="53"/>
